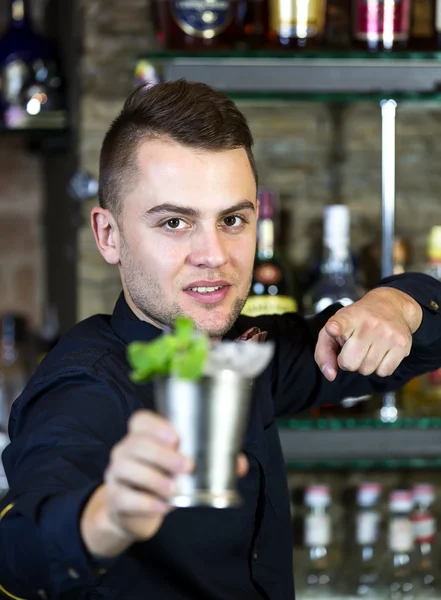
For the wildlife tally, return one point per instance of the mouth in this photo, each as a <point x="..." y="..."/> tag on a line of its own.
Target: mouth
<point x="208" y="292"/>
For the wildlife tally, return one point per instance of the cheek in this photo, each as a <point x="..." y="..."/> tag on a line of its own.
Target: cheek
<point x="164" y="256"/>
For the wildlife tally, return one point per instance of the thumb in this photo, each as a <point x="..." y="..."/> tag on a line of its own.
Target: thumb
<point x="336" y="326"/>
<point x="326" y="354"/>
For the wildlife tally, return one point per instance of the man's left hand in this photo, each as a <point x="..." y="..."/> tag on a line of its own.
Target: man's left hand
<point x="372" y="335"/>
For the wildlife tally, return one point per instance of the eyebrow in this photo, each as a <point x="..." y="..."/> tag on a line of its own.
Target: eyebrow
<point x="192" y="212"/>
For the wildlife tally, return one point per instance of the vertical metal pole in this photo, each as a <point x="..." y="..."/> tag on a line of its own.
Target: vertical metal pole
<point x="388" y="110"/>
<point x="389" y="411"/>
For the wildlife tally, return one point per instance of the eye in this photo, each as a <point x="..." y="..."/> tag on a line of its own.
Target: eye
<point x="174" y="224"/>
<point x="234" y="221"/>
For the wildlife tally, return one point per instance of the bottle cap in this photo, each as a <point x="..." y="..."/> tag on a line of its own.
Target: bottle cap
<point x="400" y="501"/>
<point x="318" y="495"/>
<point x="268" y="203"/>
<point x="336" y="224"/>
<point x="434" y="243"/>
<point x="368" y="494"/>
<point x="424" y="493"/>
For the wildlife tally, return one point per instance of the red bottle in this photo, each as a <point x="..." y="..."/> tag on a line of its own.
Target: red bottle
<point x="381" y="25"/>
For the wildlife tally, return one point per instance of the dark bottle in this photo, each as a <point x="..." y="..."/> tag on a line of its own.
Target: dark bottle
<point x="30" y="79"/>
<point x="423" y="34"/>
<point x="207" y="24"/>
<point x="379" y="25"/>
<point x="272" y="287"/>
<point x="296" y="24"/>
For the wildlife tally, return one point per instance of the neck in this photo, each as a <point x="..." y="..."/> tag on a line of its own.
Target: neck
<point x="142" y="316"/>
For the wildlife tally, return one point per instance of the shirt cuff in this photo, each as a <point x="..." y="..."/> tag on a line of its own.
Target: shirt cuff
<point x="426" y="290"/>
<point x="70" y="564"/>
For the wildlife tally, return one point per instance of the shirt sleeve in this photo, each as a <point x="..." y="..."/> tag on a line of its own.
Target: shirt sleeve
<point x="298" y="383"/>
<point x="61" y="435"/>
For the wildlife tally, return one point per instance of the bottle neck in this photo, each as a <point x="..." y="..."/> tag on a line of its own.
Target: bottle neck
<point x="337" y="259"/>
<point x="265" y="239"/>
<point x="19" y="14"/>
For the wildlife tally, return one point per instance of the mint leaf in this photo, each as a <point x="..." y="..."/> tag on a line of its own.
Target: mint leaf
<point x="182" y="354"/>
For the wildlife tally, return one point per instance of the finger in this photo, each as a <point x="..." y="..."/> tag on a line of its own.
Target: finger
<point x="339" y="326"/>
<point x="147" y="450"/>
<point x="390" y="362"/>
<point x="129" y="501"/>
<point x="326" y="354"/>
<point x="143" y="477"/>
<point x="242" y="465"/>
<point x="149" y="423"/>
<point x="355" y="352"/>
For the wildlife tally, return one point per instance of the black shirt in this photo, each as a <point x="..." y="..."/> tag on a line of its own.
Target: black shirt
<point x="76" y="407"/>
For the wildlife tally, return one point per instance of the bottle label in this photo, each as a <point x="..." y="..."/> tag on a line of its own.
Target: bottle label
<point x="317" y="530"/>
<point x="268" y="305"/>
<point x="265" y="237"/>
<point x="267" y="273"/>
<point x="422" y="18"/>
<point x="400" y="534"/>
<point x="376" y="20"/>
<point x="203" y="18"/>
<point x="424" y="527"/>
<point x="367" y="527"/>
<point x="297" y="18"/>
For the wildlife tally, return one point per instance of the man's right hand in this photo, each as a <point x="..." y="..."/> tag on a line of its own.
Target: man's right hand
<point x="132" y="503"/>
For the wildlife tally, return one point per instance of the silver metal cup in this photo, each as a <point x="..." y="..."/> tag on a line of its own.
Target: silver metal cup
<point x="210" y="416"/>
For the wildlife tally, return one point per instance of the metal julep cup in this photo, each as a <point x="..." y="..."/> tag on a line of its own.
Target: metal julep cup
<point x="210" y="416"/>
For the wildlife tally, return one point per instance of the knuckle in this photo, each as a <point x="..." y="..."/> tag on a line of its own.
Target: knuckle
<point x="366" y="369"/>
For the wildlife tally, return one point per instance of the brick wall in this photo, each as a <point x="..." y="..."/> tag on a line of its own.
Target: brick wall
<point x="295" y="146"/>
<point x="21" y="204"/>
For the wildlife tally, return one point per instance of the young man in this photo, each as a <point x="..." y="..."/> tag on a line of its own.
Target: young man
<point x="91" y="465"/>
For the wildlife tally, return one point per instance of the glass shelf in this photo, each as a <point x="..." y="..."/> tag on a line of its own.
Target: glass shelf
<point x="363" y="464"/>
<point x="161" y="54"/>
<point x="362" y="424"/>
<point x="260" y="75"/>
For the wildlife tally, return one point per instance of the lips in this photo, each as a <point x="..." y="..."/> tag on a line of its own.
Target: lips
<point x="208" y="292"/>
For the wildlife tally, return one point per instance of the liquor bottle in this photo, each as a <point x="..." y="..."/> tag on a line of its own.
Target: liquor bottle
<point x="424" y="534"/>
<point x="422" y="395"/>
<point x="423" y="34"/>
<point x="318" y="532"/>
<point x="14" y="373"/>
<point x="398" y="573"/>
<point x="367" y="531"/>
<point x="296" y="23"/>
<point x="381" y="25"/>
<point x="272" y="287"/>
<point x="30" y="79"/>
<point x="207" y="24"/>
<point x="337" y="282"/>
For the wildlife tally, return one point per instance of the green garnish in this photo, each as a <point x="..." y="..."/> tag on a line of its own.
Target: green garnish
<point x="182" y="354"/>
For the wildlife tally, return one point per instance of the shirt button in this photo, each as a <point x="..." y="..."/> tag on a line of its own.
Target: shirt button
<point x="255" y="556"/>
<point x="72" y="573"/>
<point x="101" y="571"/>
<point x="434" y="305"/>
<point x="42" y="594"/>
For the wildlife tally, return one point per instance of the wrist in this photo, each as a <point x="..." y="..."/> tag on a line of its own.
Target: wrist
<point x="410" y="309"/>
<point x="101" y="536"/>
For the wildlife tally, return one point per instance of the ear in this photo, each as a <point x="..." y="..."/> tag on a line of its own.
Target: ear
<point x="106" y="233"/>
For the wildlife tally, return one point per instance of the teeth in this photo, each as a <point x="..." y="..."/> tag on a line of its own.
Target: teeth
<point x="205" y="290"/>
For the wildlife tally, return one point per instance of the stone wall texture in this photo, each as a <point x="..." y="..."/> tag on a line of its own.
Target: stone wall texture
<point x="296" y="148"/>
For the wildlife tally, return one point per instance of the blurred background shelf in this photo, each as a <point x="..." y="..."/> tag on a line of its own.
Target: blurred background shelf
<point x="269" y="72"/>
<point x="361" y="444"/>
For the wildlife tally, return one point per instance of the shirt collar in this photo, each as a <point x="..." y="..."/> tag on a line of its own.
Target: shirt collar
<point x="128" y="327"/>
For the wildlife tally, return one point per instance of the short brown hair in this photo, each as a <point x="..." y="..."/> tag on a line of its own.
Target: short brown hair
<point x="192" y="114"/>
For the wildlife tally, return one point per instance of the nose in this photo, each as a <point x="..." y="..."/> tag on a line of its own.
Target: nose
<point x="208" y="249"/>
